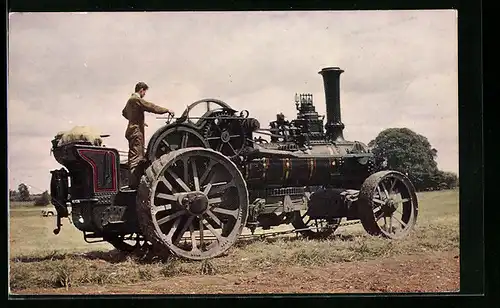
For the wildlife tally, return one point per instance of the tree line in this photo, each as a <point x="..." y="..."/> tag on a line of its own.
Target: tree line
<point x="22" y="194"/>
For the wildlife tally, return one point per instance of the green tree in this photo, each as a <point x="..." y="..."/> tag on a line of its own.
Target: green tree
<point x="448" y="180"/>
<point x="43" y="200"/>
<point x="24" y="192"/>
<point x="407" y="152"/>
<point x="13" y="195"/>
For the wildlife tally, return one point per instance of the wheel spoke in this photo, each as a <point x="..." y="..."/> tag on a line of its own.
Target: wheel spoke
<point x="167" y="183"/>
<point x="178" y="180"/>
<point x="392" y="185"/>
<point x="221" y="145"/>
<point x="401" y="222"/>
<point x="186" y="170"/>
<point x="173" y="228"/>
<point x="159" y="208"/>
<point x="171" y="216"/>
<point x="212" y="230"/>
<point x="385" y="190"/>
<point x="207" y="172"/>
<point x="187" y="224"/>
<point x="379" y="192"/>
<point x="195" y="176"/>
<point x="167" y="144"/>
<point x="232" y="148"/>
<point x="184" y="141"/>
<point x="214" y="218"/>
<point x="234" y="136"/>
<point x="207" y="188"/>
<point x="378" y="201"/>
<point x="217" y="188"/>
<point x="219" y="210"/>
<point x="193" y="238"/>
<point x="214" y="200"/>
<point x="202" y="240"/>
<point x="166" y="197"/>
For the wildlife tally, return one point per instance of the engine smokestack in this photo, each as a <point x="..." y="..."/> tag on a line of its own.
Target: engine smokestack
<point x="331" y="80"/>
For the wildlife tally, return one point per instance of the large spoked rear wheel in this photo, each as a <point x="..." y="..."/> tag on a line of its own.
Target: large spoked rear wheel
<point x="194" y="202"/>
<point x="388" y="204"/>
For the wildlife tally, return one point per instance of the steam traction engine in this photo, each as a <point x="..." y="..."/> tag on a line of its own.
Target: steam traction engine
<point x="210" y="177"/>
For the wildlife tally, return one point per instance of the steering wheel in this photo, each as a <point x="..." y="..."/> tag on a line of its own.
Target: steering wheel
<point x="207" y="102"/>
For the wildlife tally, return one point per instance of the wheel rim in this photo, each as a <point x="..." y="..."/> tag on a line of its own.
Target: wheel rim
<point x="176" y="138"/>
<point x="394" y="205"/>
<point x="203" y="194"/>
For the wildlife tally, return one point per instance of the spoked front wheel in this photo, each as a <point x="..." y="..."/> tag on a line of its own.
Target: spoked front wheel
<point x="314" y="228"/>
<point x="388" y="204"/>
<point x="194" y="202"/>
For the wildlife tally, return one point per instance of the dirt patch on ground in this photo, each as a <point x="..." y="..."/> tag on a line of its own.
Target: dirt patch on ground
<point x="437" y="272"/>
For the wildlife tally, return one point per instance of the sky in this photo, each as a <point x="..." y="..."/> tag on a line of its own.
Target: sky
<point x="69" y="69"/>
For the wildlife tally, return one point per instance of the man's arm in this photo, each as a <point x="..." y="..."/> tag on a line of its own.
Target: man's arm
<point x="150" y="107"/>
<point x="124" y="113"/>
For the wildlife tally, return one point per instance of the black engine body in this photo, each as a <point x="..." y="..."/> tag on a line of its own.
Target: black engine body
<point x="301" y="158"/>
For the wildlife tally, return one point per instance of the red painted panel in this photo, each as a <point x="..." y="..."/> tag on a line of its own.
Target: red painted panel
<point x="82" y="152"/>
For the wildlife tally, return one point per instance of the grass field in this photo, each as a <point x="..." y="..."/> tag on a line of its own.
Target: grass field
<point x="350" y="261"/>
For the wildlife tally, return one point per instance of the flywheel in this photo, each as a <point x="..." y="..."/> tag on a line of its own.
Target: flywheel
<point x="174" y="138"/>
<point x="225" y="135"/>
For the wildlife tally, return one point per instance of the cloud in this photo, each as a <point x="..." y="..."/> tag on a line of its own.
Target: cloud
<point x="70" y="69"/>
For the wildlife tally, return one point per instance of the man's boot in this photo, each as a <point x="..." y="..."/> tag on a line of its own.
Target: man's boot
<point x="135" y="175"/>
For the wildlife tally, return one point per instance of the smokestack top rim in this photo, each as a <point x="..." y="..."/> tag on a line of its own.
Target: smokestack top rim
<point x="331" y="68"/>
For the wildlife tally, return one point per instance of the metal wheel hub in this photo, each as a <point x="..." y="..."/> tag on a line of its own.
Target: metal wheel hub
<point x="225" y="136"/>
<point x="196" y="203"/>
<point x="390" y="207"/>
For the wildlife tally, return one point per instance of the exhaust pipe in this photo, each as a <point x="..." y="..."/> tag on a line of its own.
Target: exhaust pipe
<point x="331" y="80"/>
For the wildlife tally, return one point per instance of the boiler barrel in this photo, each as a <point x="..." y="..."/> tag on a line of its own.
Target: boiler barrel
<point x="308" y="171"/>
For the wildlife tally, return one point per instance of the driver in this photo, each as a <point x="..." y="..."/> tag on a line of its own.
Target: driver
<point x="134" y="113"/>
